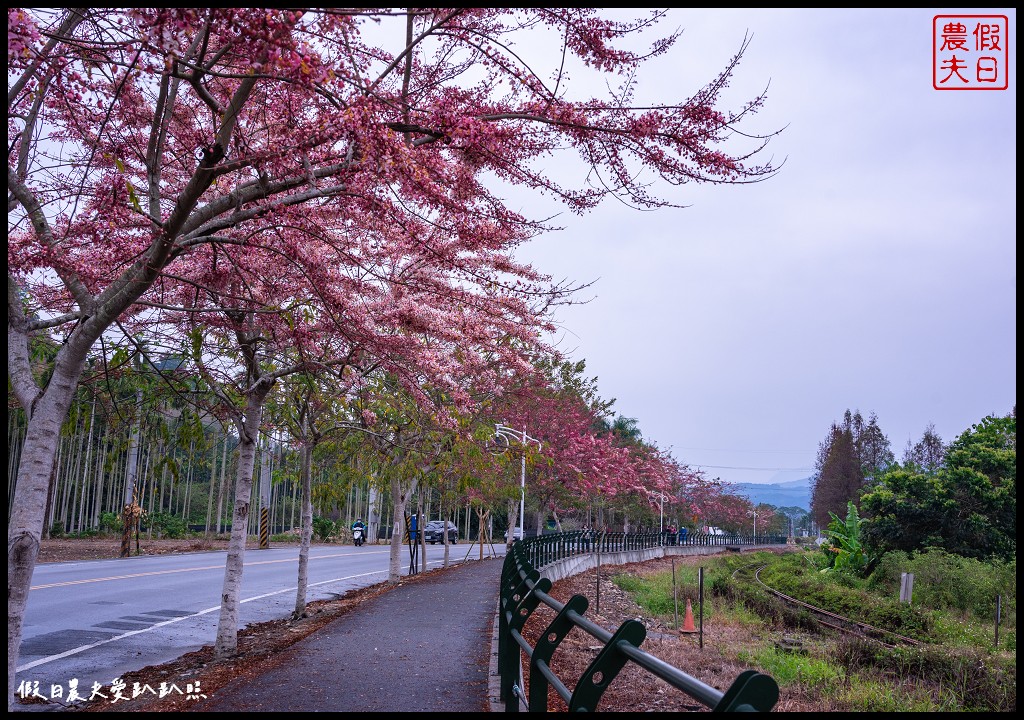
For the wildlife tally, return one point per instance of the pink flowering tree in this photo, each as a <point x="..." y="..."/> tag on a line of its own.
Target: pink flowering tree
<point x="253" y="317"/>
<point x="140" y="138"/>
<point x="575" y="464"/>
<point x="700" y="500"/>
<point x="408" y="445"/>
<point x="585" y="461"/>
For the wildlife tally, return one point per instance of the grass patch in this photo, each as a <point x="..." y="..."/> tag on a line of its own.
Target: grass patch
<point x="868" y="695"/>
<point x="744" y="616"/>
<point x="654" y="592"/>
<point x="964" y="632"/>
<point x="789" y="668"/>
<point x="958" y="669"/>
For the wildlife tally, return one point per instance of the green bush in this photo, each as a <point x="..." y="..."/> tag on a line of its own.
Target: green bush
<point x="964" y="584"/>
<point x="323" y="528"/>
<point x="886" y="576"/>
<point x="943" y="581"/>
<point x="1008" y="640"/>
<point x="111" y="523"/>
<point x="900" y="618"/>
<point x="167" y="525"/>
<point x="845" y="594"/>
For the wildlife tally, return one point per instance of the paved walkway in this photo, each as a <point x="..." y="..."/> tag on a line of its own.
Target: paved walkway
<point x="422" y="647"/>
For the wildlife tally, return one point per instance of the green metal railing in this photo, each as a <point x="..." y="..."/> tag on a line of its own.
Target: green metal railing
<point x="545" y="549"/>
<point x="522" y="592"/>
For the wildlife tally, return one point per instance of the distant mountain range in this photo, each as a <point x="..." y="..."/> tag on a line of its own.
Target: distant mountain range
<point x="792" y="493"/>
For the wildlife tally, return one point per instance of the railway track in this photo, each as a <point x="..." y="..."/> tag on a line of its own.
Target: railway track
<point x="829" y="619"/>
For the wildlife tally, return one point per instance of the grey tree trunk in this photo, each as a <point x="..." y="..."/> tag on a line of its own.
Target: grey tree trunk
<point x="421" y="536"/>
<point x="46" y="412"/>
<point x="227" y="626"/>
<point x="373" y="512"/>
<point x="307" y="524"/>
<point x="513" y="522"/>
<point x="75" y="480"/>
<point x="167" y="486"/>
<point x="295" y="501"/>
<point x="399" y="498"/>
<point x="444" y="535"/>
<point x="185" y="506"/>
<point x="484" y="532"/>
<point x="101" y="475"/>
<point x="82" y="521"/>
<point x="58" y="491"/>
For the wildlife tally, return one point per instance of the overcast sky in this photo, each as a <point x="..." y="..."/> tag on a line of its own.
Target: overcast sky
<point x="876" y="271"/>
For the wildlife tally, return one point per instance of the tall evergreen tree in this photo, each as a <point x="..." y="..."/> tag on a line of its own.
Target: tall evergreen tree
<point x="840" y="479"/>
<point x="927" y="454"/>
<point x="871" y="447"/>
<point x="874" y="450"/>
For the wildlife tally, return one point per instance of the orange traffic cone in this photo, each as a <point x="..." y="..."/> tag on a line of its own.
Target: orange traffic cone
<point x="688" y="619"/>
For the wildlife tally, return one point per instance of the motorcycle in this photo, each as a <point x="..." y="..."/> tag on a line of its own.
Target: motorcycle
<point x="357" y="536"/>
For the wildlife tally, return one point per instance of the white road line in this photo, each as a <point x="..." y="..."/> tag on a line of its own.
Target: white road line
<point x="178" y="570"/>
<point x="207" y="611"/>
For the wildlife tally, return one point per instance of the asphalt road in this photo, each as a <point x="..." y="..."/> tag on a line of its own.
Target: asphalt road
<point x="95" y="620"/>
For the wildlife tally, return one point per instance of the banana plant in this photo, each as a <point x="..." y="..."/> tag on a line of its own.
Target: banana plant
<point x="844" y="549"/>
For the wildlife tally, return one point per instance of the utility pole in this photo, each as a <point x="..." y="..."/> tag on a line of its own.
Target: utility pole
<point x="522" y="487"/>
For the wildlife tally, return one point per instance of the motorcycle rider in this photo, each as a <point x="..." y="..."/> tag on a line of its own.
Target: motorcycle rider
<point x="359" y="525"/>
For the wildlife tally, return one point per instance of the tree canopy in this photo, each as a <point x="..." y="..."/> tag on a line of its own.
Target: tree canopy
<point x="853" y="455"/>
<point x="321" y="181"/>
<point x="967" y="507"/>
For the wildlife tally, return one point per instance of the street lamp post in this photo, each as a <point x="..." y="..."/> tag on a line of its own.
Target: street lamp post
<point x="754" y="513"/>
<point x="522" y="488"/>
<point x="509" y="433"/>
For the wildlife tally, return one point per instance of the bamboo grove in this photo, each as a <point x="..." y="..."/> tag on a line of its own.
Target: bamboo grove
<point x="186" y="461"/>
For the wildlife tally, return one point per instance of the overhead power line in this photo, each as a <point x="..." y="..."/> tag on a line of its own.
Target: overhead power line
<point x="734" y="467"/>
<point x="739" y="450"/>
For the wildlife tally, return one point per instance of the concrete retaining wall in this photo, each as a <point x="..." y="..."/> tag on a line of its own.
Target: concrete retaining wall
<point x="581" y="563"/>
